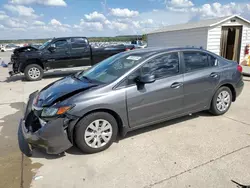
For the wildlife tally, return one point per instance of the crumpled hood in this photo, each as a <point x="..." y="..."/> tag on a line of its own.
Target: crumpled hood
<point x="25" y="49"/>
<point x="60" y="90"/>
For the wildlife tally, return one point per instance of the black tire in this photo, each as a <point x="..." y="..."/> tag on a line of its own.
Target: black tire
<point x="37" y="67"/>
<point x="85" y="122"/>
<point x="214" y="109"/>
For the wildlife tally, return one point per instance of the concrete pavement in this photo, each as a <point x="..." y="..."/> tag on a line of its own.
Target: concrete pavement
<point x="194" y="151"/>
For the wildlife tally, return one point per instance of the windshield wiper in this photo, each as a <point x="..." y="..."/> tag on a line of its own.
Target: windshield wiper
<point x="80" y="77"/>
<point x="85" y="77"/>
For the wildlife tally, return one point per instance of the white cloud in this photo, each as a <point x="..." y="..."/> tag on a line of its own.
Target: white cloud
<point x="119" y="26"/>
<point x="56" y="25"/>
<point x="90" y="25"/>
<point x="41" y="2"/>
<point x="95" y="17"/>
<point x="123" y="12"/>
<point x="248" y="6"/>
<point x="212" y="10"/>
<point x="3" y="16"/>
<point x="219" y="10"/>
<point x="2" y="27"/>
<point x="21" y="10"/>
<point x="55" y="22"/>
<point x="14" y="23"/>
<point x="179" y="3"/>
<point x="38" y="23"/>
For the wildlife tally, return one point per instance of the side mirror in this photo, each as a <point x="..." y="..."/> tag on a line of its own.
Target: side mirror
<point x="52" y="48"/>
<point x="145" y="79"/>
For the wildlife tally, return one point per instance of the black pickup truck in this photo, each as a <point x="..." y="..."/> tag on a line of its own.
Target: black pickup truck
<point x="66" y="52"/>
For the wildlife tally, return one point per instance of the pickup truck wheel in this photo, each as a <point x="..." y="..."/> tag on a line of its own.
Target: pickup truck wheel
<point x="33" y="72"/>
<point x="96" y="132"/>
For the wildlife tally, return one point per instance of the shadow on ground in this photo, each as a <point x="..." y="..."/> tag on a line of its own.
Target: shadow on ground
<point x="16" y="170"/>
<point x="47" y="75"/>
<point x="75" y="151"/>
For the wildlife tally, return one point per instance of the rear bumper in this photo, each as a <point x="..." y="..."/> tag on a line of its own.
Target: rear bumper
<point x="51" y="136"/>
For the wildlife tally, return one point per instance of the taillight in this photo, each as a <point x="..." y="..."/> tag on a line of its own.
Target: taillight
<point x="239" y="68"/>
<point x="127" y="49"/>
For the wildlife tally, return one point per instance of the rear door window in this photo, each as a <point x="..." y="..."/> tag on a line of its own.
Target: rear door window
<point x="77" y="43"/>
<point x="61" y="44"/>
<point x="212" y="61"/>
<point x="195" y="61"/>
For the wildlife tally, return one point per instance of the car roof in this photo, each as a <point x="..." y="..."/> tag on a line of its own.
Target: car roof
<point x="58" y="38"/>
<point x="164" y="49"/>
<point x="150" y="51"/>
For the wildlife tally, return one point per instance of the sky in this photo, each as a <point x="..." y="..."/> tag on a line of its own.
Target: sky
<point x="32" y="19"/>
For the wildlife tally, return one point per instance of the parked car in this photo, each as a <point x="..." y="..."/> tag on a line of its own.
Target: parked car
<point x="139" y="44"/>
<point x="9" y="47"/>
<point x="125" y="92"/>
<point x="58" y="53"/>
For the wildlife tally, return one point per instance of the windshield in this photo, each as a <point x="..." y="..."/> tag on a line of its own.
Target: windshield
<point x="111" y="69"/>
<point x="44" y="44"/>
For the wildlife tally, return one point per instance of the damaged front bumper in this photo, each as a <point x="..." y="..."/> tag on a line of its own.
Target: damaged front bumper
<point x="10" y="68"/>
<point x="51" y="135"/>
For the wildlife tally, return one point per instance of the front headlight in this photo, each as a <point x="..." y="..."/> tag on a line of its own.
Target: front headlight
<point x="52" y="111"/>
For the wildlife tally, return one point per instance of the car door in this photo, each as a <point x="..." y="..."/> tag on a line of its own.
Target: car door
<point x="60" y="56"/>
<point x="201" y="77"/>
<point x="156" y="101"/>
<point x="80" y="52"/>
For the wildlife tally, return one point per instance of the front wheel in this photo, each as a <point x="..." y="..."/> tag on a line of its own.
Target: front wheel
<point x="96" y="132"/>
<point x="33" y="72"/>
<point x="221" y="101"/>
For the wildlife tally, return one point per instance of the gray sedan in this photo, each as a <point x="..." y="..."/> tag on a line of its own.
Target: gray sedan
<point x="127" y="91"/>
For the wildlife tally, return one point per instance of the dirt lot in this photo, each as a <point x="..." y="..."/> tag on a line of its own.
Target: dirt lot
<point x="194" y="151"/>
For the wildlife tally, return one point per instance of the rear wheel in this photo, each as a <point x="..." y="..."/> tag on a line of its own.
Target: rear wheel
<point x="96" y="132"/>
<point x="221" y="101"/>
<point x="33" y="72"/>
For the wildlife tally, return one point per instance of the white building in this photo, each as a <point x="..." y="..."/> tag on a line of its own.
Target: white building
<point x="226" y="36"/>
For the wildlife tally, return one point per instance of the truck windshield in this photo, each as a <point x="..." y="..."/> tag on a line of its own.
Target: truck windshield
<point x="44" y="45"/>
<point x="111" y="69"/>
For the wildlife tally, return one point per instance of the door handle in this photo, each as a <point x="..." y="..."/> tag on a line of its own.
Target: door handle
<point x="66" y="52"/>
<point x="176" y="85"/>
<point x="214" y="75"/>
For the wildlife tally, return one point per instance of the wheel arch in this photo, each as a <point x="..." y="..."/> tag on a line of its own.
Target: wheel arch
<point x="32" y="61"/>
<point x="231" y="87"/>
<point x="122" y="130"/>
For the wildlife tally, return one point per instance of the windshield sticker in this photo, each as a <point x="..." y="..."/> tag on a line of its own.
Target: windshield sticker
<point x="135" y="58"/>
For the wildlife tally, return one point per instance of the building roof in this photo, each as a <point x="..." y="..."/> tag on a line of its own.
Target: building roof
<point x="199" y="24"/>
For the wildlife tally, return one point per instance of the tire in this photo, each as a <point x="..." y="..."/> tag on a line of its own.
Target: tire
<point x="38" y="74"/>
<point x="216" y="108"/>
<point x="85" y="136"/>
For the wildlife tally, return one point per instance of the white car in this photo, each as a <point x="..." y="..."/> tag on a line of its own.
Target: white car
<point x="9" y="47"/>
